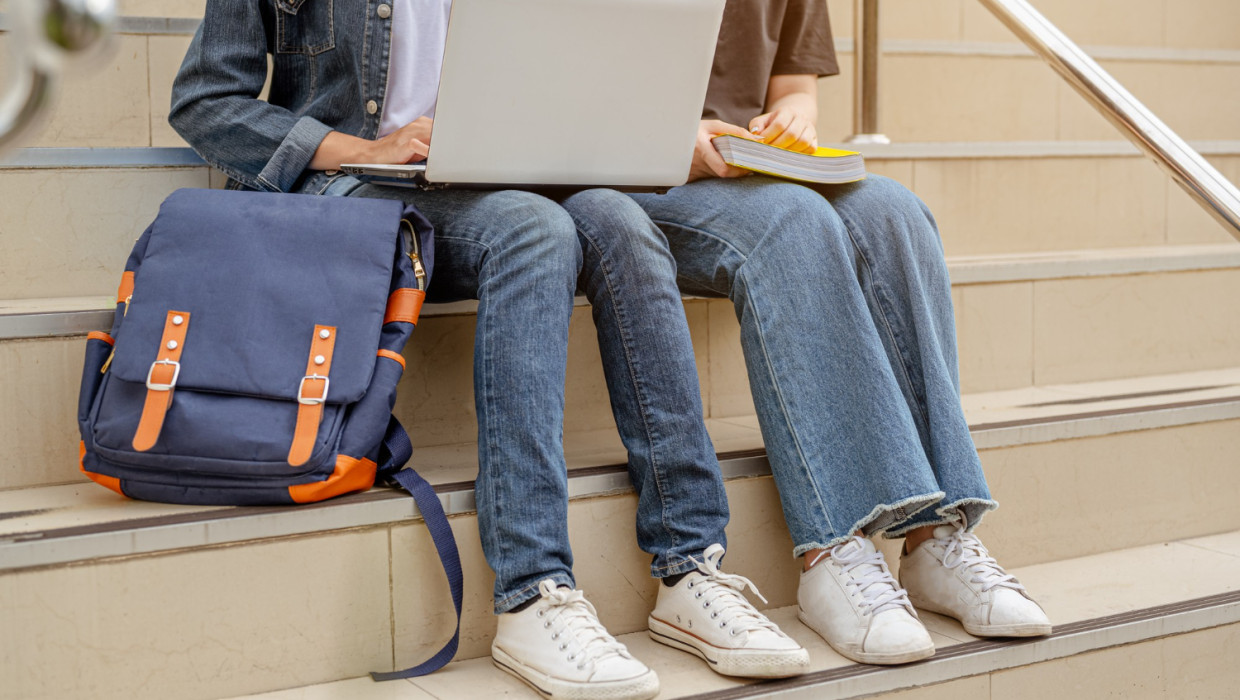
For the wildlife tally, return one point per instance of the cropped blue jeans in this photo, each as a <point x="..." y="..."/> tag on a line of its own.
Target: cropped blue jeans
<point x="523" y="257"/>
<point x="848" y="335"/>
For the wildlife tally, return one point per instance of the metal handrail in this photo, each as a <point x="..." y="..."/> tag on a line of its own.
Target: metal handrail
<point x="45" y="35"/>
<point x="1209" y="188"/>
<point x="1188" y="168"/>
<point x="865" y="67"/>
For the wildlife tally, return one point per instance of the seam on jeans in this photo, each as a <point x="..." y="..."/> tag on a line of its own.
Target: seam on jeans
<point x="489" y="430"/>
<point x="638" y="388"/>
<point x="949" y="513"/>
<point x="916" y="403"/>
<point x="739" y="279"/>
<point x="783" y="406"/>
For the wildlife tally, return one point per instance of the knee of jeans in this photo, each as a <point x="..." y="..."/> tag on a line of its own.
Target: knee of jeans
<point x="538" y="233"/>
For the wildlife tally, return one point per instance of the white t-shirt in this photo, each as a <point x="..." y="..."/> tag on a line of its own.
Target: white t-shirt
<point x="419" y="28"/>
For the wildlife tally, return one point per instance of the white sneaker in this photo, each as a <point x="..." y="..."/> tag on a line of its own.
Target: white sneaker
<point x="849" y="597"/>
<point x="706" y="614"/>
<point x="559" y="647"/>
<point x="953" y="574"/>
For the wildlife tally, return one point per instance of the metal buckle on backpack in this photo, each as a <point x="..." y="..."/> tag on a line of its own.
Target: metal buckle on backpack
<point x="176" y="372"/>
<point x="311" y="401"/>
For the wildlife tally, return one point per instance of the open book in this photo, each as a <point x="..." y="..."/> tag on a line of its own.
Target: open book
<point x="826" y="165"/>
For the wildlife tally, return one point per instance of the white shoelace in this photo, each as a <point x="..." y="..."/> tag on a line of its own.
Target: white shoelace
<point x="965" y="549"/>
<point x="578" y="619"/>
<point x="869" y="574"/>
<point x="722" y="594"/>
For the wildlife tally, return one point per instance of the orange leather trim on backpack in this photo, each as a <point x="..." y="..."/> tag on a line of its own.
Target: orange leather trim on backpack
<point x="404" y="304"/>
<point x="100" y="335"/>
<point x="105" y="481"/>
<point x="392" y="356"/>
<point x="161" y="380"/>
<point x="310" y="407"/>
<point x="125" y="291"/>
<point x="350" y="475"/>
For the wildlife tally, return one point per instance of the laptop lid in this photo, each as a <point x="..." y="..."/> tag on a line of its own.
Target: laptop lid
<point x="572" y="92"/>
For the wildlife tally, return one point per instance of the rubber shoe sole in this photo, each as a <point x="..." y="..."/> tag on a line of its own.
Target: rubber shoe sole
<point x="745" y="663"/>
<point x="878" y="659"/>
<point x="641" y="687"/>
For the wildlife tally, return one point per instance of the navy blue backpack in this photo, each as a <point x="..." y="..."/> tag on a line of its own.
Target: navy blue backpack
<point x="254" y="356"/>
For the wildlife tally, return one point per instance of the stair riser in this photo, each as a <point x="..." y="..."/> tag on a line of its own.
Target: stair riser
<point x="313" y="609"/>
<point x="1011" y="335"/>
<point x="1194" y="665"/>
<point x="971" y="97"/>
<point x="107" y="620"/>
<point x="1194" y="24"/>
<point x="981" y="205"/>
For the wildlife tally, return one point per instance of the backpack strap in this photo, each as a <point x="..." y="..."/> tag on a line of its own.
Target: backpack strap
<point x="161" y="380"/>
<point x="310" y="405"/>
<point x="397" y="450"/>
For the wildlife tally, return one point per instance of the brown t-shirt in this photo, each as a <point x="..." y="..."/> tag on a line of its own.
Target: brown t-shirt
<point x="761" y="38"/>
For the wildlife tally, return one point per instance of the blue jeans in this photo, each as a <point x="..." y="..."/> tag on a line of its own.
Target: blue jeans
<point x="847" y="330"/>
<point x="523" y="256"/>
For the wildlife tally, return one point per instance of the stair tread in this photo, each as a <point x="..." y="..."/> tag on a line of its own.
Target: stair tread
<point x="71" y="522"/>
<point x="1074" y="592"/>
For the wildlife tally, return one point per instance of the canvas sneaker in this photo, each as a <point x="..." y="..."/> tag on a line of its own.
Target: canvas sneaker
<point x="559" y="647"/>
<point x="706" y="613"/>
<point x="850" y="598"/>
<point x="953" y="574"/>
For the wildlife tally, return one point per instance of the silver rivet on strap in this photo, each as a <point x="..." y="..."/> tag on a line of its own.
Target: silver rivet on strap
<point x="325" y="334"/>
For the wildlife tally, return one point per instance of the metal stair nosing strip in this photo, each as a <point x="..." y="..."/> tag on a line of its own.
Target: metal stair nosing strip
<point x="221" y="526"/>
<point x="990" y="655"/>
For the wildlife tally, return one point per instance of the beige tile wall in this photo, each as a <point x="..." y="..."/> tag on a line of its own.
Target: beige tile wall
<point x="1194" y="665"/>
<point x="1128" y="326"/>
<point x="1131" y="488"/>
<point x="994" y="328"/>
<point x="1187" y="222"/>
<point x="166" y="53"/>
<point x="203" y="624"/>
<point x="990" y="206"/>
<point x="67" y="233"/>
<point x="38" y="410"/>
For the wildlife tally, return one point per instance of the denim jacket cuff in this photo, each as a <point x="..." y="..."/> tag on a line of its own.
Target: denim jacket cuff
<point x="293" y="155"/>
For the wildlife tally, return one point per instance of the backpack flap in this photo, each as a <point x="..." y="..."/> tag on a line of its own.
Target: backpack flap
<point x="277" y="298"/>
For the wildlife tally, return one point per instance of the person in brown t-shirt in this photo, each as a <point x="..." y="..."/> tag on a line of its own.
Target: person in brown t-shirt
<point x="846" y="324"/>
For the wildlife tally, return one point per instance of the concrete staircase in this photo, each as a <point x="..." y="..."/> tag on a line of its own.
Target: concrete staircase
<point x="1099" y="338"/>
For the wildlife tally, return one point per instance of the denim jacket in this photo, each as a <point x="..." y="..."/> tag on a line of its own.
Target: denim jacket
<point x="329" y="62"/>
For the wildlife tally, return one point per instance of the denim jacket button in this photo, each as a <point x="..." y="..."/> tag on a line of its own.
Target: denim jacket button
<point x="372" y="107"/>
<point x="385" y="11"/>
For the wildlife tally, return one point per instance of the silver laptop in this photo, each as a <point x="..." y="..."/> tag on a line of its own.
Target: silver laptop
<point x="567" y="93"/>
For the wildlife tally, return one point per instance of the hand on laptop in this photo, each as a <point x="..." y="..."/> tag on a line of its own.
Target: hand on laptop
<point x="786" y="128"/>
<point x="408" y="144"/>
<point x="706" y="160"/>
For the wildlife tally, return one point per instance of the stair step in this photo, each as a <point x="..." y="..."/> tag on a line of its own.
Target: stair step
<point x="80" y="522"/>
<point x="38" y="317"/>
<point x="1187" y="593"/>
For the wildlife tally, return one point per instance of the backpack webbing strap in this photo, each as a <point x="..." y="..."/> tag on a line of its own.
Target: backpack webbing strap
<point x="396" y="451"/>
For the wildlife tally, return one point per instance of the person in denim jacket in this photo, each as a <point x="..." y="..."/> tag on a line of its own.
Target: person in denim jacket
<point x="846" y="324"/>
<point x="354" y="81"/>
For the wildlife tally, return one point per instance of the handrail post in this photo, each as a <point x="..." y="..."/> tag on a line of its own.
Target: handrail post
<point x="866" y="55"/>
<point x="1218" y="196"/>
